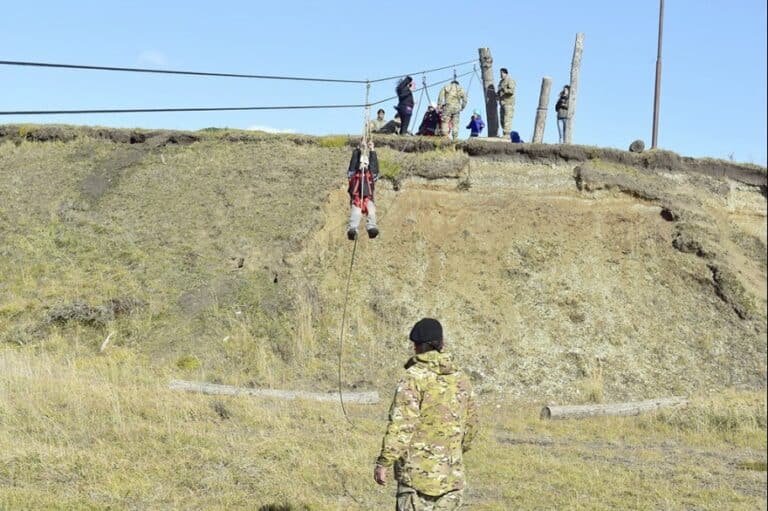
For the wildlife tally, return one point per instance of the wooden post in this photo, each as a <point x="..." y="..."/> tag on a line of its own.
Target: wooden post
<point x="491" y="109"/>
<point x="363" y="398"/>
<point x="635" y="408"/>
<point x="657" y="86"/>
<point x="541" y="111"/>
<point x="578" y="48"/>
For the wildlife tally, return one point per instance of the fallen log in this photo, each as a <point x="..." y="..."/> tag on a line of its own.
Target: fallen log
<point x="363" y="398"/>
<point x="632" y="408"/>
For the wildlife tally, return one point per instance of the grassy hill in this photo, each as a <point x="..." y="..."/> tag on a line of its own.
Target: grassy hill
<point x="561" y="275"/>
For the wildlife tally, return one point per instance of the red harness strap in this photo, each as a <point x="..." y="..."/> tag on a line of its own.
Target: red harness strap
<point x="355" y="185"/>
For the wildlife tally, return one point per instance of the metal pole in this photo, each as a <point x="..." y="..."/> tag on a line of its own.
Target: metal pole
<point x="657" y="91"/>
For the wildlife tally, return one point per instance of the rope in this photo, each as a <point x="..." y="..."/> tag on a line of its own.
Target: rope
<point x="155" y="110"/>
<point x="469" y="85"/>
<point x="341" y="334"/>
<point x="211" y="109"/>
<point x="364" y="150"/>
<point x="415" y="116"/>
<point x="424" y="84"/>
<point x="424" y="72"/>
<point x="206" y="73"/>
<point x="433" y="84"/>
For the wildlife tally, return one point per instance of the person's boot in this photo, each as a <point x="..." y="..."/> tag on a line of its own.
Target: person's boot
<point x="352" y="234"/>
<point x="373" y="232"/>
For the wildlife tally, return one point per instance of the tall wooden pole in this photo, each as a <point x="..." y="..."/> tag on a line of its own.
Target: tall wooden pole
<point x="657" y="91"/>
<point x="491" y="111"/>
<point x="578" y="48"/>
<point x="541" y="111"/>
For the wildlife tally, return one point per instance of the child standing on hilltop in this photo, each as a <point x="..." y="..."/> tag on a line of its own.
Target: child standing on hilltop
<point x="476" y="125"/>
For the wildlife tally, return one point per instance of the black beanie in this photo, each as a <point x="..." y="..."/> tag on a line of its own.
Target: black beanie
<point x="426" y="330"/>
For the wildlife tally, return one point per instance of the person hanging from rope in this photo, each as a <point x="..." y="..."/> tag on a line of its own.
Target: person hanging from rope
<point x="363" y="172"/>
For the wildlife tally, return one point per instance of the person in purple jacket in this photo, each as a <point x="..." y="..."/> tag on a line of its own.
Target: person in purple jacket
<point x="476" y="125"/>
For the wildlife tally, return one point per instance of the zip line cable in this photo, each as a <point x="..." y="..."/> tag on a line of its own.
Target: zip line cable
<point x="173" y="72"/>
<point x="155" y="110"/>
<point x="422" y="72"/>
<point x="429" y="86"/>
<point x="205" y="73"/>
<point x="207" y="109"/>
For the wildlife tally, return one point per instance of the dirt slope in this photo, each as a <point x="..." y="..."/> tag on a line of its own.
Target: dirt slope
<point x="560" y="273"/>
<point x="547" y="291"/>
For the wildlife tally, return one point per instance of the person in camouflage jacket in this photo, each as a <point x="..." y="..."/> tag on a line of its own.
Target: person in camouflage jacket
<point x="432" y="422"/>
<point x="506" y="94"/>
<point x="451" y="100"/>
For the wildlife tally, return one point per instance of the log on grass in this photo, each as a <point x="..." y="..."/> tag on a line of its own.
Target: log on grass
<point x="632" y="408"/>
<point x="363" y="398"/>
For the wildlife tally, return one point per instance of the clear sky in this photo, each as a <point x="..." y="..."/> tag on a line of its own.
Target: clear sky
<point x="713" y="100"/>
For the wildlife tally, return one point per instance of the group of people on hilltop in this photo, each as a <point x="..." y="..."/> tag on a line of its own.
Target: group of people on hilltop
<point x="442" y="118"/>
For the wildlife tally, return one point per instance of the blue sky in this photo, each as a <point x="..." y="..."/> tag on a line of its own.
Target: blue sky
<point x="713" y="100"/>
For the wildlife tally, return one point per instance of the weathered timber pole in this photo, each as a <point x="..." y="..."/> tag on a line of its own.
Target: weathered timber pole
<point x="541" y="111"/>
<point x="634" y="408"/>
<point x="365" y="398"/>
<point x="491" y="109"/>
<point x="657" y="87"/>
<point x="578" y="48"/>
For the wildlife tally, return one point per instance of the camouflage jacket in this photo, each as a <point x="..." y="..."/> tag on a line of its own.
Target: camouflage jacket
<point x="432" y="422"/>
<point x="506" y="90"/>
<point x="452" y="98"/>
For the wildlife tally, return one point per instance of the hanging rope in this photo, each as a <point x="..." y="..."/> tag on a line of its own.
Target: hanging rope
<point x="364" y="150"/>
<point x="415" y="116"/>
<point x="426" y="88"/>
<point x="469" y="85"/>
<point x="341" y="334"/>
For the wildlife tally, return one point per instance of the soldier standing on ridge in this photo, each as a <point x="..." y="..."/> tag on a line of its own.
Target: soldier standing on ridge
<point x="432" y="422"/>
<point x="452" y="100"/>
<point x="506" y="94"/>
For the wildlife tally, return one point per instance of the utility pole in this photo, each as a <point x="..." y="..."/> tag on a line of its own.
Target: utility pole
<point x="657" y="91"/>
<point x="578" y="49"/>
<point x="541" y="111"/>
<point x="491" y="111"/>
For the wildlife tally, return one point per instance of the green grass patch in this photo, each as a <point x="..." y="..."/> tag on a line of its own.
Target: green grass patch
<point x="334" y="141"/>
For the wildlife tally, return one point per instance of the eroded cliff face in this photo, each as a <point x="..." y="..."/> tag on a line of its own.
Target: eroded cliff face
<point x="557" y="271"/>
<point x="560" y="280"/>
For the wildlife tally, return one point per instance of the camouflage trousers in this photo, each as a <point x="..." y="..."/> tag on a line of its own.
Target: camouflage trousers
<point x="506" y="112"/>
<point x="409" y="499"/>
<point x="449" y="125"/>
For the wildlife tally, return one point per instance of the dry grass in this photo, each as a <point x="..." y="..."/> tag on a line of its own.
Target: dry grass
<point x="104" y="432"/>
<point x="225" y="261"/>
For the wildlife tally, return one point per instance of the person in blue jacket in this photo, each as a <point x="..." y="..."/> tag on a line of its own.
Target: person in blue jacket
<point x="476" y="125"/>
